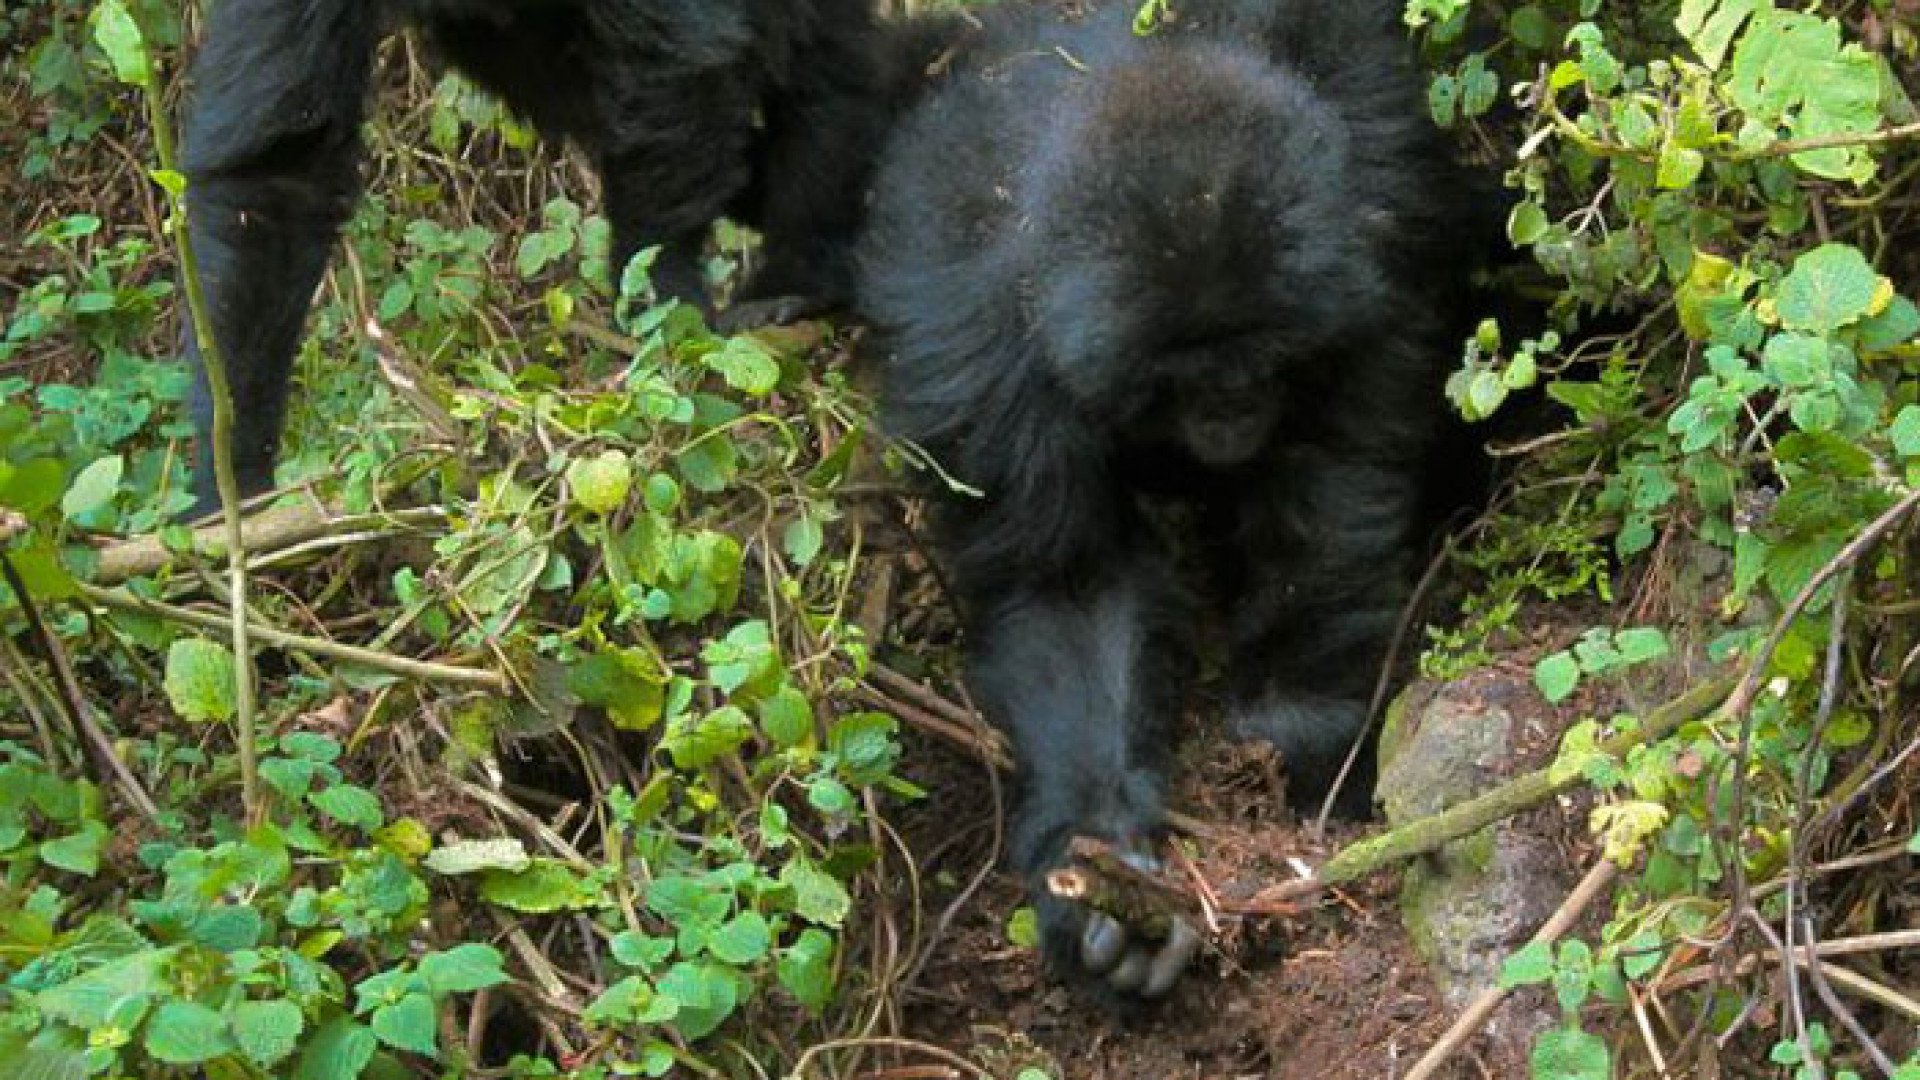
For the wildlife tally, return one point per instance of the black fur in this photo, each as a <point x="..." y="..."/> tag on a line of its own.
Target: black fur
<point x="765" y="110"/>
<point x="1214" y="267"/>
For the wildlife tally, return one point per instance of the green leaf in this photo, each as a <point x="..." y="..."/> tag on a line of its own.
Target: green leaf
<point x="473" y="856"/>
<point x="462" y="969"/>
<point x="818" y="896"/>
<point x="78" y="853"/>
<point x="1640" y="644"/>
<point x="746" y="365"/>
<point x="600" y="484"/>
<point x="199" y="680"/>
<point x="627" y="682"/>
<point x="741" y="940"/>
<point x="865" y="745"/>
<point x="544" y="886"/>
<point x="1556" y="676"/>
<point x="338" y="1050"/>
<point x="1023" y="927"/>
<point x="409" y="1024"/>
<point x="267" y="1031"/>
<point x="696" y="742"/>
<point x="186" y="1033"/>
<point x="93" y="488"/>
<point x="1905" y="432"/>
<point x="1532" y="964"/>
<point x="706" y="995"/>
<point x="787" y="717"/>
<point x="802" y="539"/>
<point x="1527" y="223"/>
<point x="115" y="31"/>
<point x="1791" y="71"/>
<point x="1679" y="166"/>
<point x="1573" y="974"/>
<point x="349" y="804"/>
<point x="1710" y="25"/>
<point x="88" y="1000"/>
<point x="805" y="968"/>
<point x="1570" y="1054"/>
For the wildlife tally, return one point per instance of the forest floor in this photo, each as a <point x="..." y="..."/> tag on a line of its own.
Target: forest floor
<point x="1335" y="992"/>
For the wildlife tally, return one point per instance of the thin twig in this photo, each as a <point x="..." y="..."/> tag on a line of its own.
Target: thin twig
<point x="406" y="667"/>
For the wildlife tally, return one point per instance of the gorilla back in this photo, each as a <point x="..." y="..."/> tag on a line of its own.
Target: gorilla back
<point x="765" y="110"/>
<point x="1214" y="265"/>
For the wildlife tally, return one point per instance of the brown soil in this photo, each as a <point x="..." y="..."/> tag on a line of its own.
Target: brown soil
<point x="1333" y="993"/>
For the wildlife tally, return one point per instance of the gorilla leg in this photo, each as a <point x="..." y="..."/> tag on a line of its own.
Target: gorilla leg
<point x="1310" y="636"/>
<point x="815" y="158"/>
<point x="271" y="151"/>
<point x="1083" y="680"/>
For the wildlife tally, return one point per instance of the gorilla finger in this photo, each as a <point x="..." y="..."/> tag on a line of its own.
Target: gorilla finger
<point x="1182" y="945"/>
<point x="1102" y="943"/>
<point x="1132" y="972"/>
<point x="1143" y="861"/>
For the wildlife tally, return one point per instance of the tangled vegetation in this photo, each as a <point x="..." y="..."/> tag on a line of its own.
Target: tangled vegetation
<point x="573" y="752"/>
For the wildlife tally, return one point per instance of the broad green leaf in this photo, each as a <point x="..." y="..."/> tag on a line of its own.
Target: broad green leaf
<point x="627" y="682"/>
<point x="411" y="1023"/>
<point x="1905" y="431"/>
<point x="787" y="717"/>
<point x="462" y="969"/>
<point x="1571" y="1054"/>
<point x="695" y="742"/>
<point x="472" y="856"/>
<point x="1533" y="963"/>
<point x="118" y="35"/>
<point x="338" y="1050"/>
<point x="78" y="853"/>
<point x="1679" y="166"/>
<point x="1556" y="676"/>
<point x="705" y="993"/>
<point x="600" y="483"/>
<point x="805" y="968"/>
<point x="1710" y="25"/>
<point x="93" y="487"/>
<point x="187" y="1033"/>
<point x="267" y="1031"/>
<point x="1640" y="644"/>
<point x="1828" y="287"/>
<point x="349" y="804"/>
<point x="1023" y="927"/>
<point x="818" y="896"/>
<point x="544" y="886"/>
<point x="88" y="1000"/>
<point x="741" y="940"/>
<point x="1526" y="223"/>
<point x="1791" y="71"/>
<point x="802" y="539"/>
<point x="199" y="680"/>
<point x="746" y="365"/>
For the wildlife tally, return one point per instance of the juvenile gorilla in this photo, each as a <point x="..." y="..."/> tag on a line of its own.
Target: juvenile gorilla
<point x="1213" y="267"/>
<point x="765" y="110"/>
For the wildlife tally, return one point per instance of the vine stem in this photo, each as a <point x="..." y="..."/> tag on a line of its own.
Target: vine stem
<point x="244" y="711"/>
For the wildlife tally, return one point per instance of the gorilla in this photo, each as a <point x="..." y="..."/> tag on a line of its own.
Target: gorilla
<point x="765" y="110"/>
<point x="1216" y="270"/>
